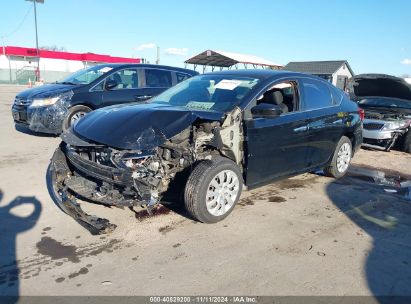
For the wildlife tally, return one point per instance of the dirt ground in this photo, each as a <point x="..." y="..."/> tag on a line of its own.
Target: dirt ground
<point x="307" y="235"/>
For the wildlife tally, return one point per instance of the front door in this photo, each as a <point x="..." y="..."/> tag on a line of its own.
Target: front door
<point x="277" y="146"/>
<point x="126" y="89"/>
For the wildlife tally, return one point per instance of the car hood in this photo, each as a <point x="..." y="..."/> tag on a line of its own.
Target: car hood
<point x="379" y="85"/>
<point x="139" y="126"/>
<point x="45" y="91"/>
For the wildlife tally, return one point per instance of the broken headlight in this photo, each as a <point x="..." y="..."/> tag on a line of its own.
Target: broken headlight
<point x="137" y="161"/>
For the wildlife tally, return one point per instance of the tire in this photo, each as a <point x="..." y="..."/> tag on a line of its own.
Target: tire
<point x="407" y="142"/>
<point x="200" y="184"/>
<point x="76" y="110"/>
<point x="341" y="159"/>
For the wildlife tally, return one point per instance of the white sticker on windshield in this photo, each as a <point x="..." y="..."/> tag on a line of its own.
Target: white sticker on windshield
<point x="227" y="84"/>
<point x="106" y="69"/>
<point x="200" y="105"/>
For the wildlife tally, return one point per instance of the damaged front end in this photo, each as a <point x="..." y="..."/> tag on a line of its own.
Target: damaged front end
<point x="382" y="131"/>
<point x="45" y="115"/>
<point x="110" y="176"/>
<point x="386" y="101"/>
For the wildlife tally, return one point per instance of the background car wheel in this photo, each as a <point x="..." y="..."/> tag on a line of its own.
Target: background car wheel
<point x="407" y="142"/>
<point x="213" y="189"/>
<point x="341" y="159"/>
<point x="74" y="114"/>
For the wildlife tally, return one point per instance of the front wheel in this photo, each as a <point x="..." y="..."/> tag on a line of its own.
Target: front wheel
<point x="213" y="189"/>
<point x="74" y="115"/>
<point x="341" y="159"/>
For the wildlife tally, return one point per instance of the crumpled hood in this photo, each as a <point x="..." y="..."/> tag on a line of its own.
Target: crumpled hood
<point x="379" y="85"/>
<point x="45" y="91"/>
<point x="138" y="126"/>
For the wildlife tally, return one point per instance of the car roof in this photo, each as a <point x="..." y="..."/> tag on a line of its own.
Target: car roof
<point x="261" y="73"/>
<point x="144" y="65"/>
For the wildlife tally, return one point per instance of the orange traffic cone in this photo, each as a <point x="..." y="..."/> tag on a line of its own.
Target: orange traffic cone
<point x="30" y="84"/>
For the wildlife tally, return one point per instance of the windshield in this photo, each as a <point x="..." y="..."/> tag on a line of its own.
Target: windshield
<point x="385" y="103"/>
<point x="88" y="75"/>
<point x="208" y="92"/>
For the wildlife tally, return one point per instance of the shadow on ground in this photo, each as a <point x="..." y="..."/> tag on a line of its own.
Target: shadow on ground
<point x="11" y="226"/>
<point x="380" y="205"/>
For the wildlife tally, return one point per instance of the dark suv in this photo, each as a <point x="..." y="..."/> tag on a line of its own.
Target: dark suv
<point x="53" y="108"/>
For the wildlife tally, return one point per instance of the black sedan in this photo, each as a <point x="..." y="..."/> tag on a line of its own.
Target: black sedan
<point x="207" y="136"/>
<point x="53" y="108"/>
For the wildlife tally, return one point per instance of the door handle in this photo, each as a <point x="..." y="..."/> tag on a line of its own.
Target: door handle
<point x="301" y="129"/>
<point x="142" y="97"/>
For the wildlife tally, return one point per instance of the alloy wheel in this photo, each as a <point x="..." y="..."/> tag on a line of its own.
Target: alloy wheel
<point x="222" y="192"/>
<point x="343" y="157"/>
<point x="76" y="116"/>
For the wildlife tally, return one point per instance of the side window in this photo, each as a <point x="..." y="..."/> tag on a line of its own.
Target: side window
<point x="284" y="94"/>
<point x="158" y="78"/>
<point x="316" y="95"/>
<point x="99" y="86"/>
<point x="126" y="79"/>
<point x="181" y="77"/>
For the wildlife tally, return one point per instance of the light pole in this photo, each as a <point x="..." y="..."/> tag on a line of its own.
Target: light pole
<point x="37" y="39"/>
<point x="158" y="55"/>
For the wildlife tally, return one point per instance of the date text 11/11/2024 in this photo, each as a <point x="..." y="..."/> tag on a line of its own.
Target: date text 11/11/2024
<point x="203" y="299"/>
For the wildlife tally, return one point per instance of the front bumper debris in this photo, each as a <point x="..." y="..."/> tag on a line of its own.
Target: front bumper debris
<point x="85" y="170"/>
<point x="59" y="173"/>
<point x="376" y="137"/>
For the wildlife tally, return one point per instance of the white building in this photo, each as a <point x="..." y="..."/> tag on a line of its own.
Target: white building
<point x="19" y="64"/>
<point x="337" y="72"/>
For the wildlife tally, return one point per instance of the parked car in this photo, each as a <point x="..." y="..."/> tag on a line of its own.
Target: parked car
<point x="53" y="108"/>
<point x="208" y="135"/>
<point x="386" y="101"/>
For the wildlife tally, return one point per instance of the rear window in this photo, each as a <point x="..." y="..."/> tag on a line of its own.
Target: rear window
<point x="316" y="95"/>
<point x="337" y="95"/>
<point x="158" y="78"/>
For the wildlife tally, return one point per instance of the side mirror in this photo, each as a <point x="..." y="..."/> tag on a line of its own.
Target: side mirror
<point x="110" y="84"/>
<point x="266" y="110"/>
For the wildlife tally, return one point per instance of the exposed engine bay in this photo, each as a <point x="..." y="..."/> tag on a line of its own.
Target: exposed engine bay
<point x="383" y="129"/>
<point x="386" y="101"/>
<point x="126" y="178"/>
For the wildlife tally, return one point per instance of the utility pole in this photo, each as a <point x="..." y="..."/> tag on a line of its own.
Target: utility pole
<point x="37" y="39"/>
<point x="158" y="55"/>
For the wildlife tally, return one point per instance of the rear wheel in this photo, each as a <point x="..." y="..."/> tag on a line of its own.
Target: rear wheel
<point x="341" y="159"/>
<point x="74" y="114"/>
<point x="213" y="189"/>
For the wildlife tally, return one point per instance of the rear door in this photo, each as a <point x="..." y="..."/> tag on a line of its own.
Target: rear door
<point x="325" y="120"/>
<point x="276" y="146"/>
<point x="155" y="81"/>
<point x="126" y="90"/>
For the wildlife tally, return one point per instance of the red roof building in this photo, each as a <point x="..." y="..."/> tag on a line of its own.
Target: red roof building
<point x="17" y="64"/>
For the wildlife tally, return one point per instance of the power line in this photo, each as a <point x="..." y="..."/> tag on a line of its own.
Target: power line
<point x="20" y="24"/>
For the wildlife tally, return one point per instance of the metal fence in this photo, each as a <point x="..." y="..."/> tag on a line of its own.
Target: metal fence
<point x="28" y="73"/>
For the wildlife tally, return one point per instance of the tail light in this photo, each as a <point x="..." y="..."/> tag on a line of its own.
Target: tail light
<point x="361" y="113"/>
